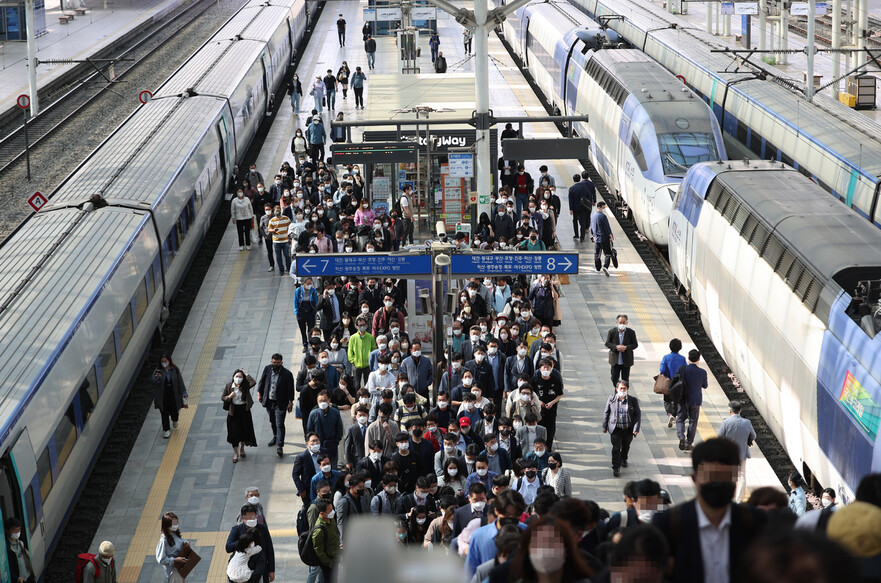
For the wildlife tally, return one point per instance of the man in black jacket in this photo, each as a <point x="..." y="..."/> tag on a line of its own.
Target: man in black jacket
<point x="440" y="63"/>
<point x="264" y="539"/>
<point x="582" y="196"/>
<point x="503" y="224"/>
<point x="547" y="383"/>
<point x="330" y="304"/>
<point x="621" y="419"/>
<point x="275" y="391"/>
<point x="621" y="342"/>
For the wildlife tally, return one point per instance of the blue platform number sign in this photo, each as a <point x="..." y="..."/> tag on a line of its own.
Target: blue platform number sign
<point x="506" y="263"/>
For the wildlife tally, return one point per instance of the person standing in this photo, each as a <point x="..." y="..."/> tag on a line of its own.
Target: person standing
<point x="406" y="203"/>
<point x="242" y="213"/>
<point x="582" y="197"/>
<point x="341" y="30"/>
<point x="317" y="92"/>
<point x="621" y="342"/>
<point x="741" y="432"/>
<point x="440" y="63"/>
<point x="360" y="347"/>
<point x="433" y="44"/>
<point x="295" y="88"/>
<point x="331" y="309"/>
<point x="263" y="538"/>
<point x="523" y="187"/>
<point x="547" y="384"/>
<point x="621" y="420"/>
<point x="172" y="549"/>
<point x="305" y="309"/>
<point x="690" y="408"/>
<point x="370" y="49"/>
<point x="275" y="392"/>
<point x="330" y="85"/>
<point x="326" y="537"/>
<point x="467" y="37"/>
<point x="342" y="75"/>
<point x="236" y="397"/>
<point x="670" y="365"/>
<point x="358" y="80"/>
<point x="20" y="568"/>
<point x="93" y="572"/>
<point x="316" y="136"/>
<point x="797" y="500"/>
<point x="602" y="238"/>
<point x="418" y="369"/>
<point x="169" y="393"/>
<point x="279" y="227"/>
<point x="327" y="423"/>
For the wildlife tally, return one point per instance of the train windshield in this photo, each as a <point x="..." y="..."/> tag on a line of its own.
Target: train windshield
<point x="681" y="151"/>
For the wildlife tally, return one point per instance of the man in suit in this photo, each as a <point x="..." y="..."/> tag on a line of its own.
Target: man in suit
<point x="373" y="463"/>
<point x="741" y="432"/>
<point x="306" y="466"/>
<point x="275" y="391"/>
<point x="621" y="342"/>
<point x="582" y="196"/>
<point x="418" y="368"/>
<point x="264" y="539"/>
<point x="495" y="358"/>
<point x="602" y="238"/>
<point x="621" y="419"/>
<point x="372" y="295"/>
<point x="355" y="436"/>
<point x="692" y="399"/>
<point x="384" y="429"/>
<point x="331" y="307"/>
<point x="709" y="535"/>
<point x="530" y="431"/>
<point x="476" y="508"/>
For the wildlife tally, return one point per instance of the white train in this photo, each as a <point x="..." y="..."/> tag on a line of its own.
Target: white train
<point x="646" y="128"/>
<point x="838" y="148"/>
<point x="788" y="282"/>
<point x="82" y="289"/>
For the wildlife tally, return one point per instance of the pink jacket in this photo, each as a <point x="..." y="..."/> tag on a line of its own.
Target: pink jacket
<point x="364" y="218"/>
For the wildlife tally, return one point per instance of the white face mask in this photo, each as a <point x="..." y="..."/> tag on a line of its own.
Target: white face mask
<point x="375" y="456"/>
<point x="448" y="449"/>
<point x="481" y="473"/>
<point x="323" y="361"/>
<point x="326" y="468"/>
<point x="622" y="394"/>
<point x="492" y="350"/>
<point x="331" y="514"/>
<point x="15" y="535"/>
<point x="469" y="406"/>
<point x="457" y="365"/>
<point x="475" y="338"/>
<point x="364" y="400"/>
<point x="546" y="561"/>
<point x="622" y="327"/>
<point x="521" y="352"/>
<point x="383" y="367"/>
<point x="251" y="523"/>
<point x="545" y="373"/>
<point x="826" y="502"/>
<point x="416" y="353"/>
<point x="238" y="380"/>
<point x="254" y="500"/>
<point x="452" y="471"/>
<point x="323" y="405"/>
<point x="404" y="446"/>
<point x="517" y="425"/>
<point x="334" y="345"/>
<point x="443" y="404"/>
<point x="368" y="484"/>
<point x="175" y="526"/>
<point x="362" y="420"/>
<point x="478" y="506"/>
<point x="479" y="357"/>
<point x="467" y="381"/>
<point x="382" y="346"/>
<point x="315" y="448"/>
<point x="503" y="336"/>
<point x="524" y="397"/>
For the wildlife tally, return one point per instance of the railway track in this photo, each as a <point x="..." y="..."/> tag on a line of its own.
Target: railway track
<point x="823" y="31"/>
<point x="87" y="89"/>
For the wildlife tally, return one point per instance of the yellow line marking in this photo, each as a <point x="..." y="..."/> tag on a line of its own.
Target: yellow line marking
<point x="147" y="532"/>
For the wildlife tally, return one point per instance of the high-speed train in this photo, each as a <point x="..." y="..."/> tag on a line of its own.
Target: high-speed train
<point x="837" y="147"/>
<point x="788" y="283"/>
<point x="83" y="285"/>
<point x="645" y="127"/>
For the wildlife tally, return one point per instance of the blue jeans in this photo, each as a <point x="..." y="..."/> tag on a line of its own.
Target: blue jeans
<point x="277" y="414"/>
<point x="521" y="201"/>
<point x="315" y="575"/>
<point x="282" y="256"/>
<point x="690" y="413"/>
<point x="371" y="58"/>
<point x="295" y="102"/>
<point x="434" y="54"/>
<point x="331" y="101"/>
<point x="318" y="106"/>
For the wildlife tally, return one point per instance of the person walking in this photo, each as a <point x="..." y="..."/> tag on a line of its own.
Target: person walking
<point x="265" y="236"/>
<point x="370" y="49"/>
<point x="275" y="391"/>
<point x="467" y="37"/>
<point x="326" y="537"/>
<point x="433" y="44"/>
<point x="670" y="365"/>
<point x="242" y="213"/>
<point x="330" y="85"/>
<point x="440" y="63"/>
<point x="342" y="75"/>
<point x="602" y="238"/>
<point x="693" y="397"/>
<point x="741" y="432"/>
<point x="172" y="550"/>
<point x="361" y="345"/>
<point x="305" y="309"/>
<point x="582" y="197"/>
<point x="169" y="393"/>
<point x="299" y="145"/>
<point x="338" y="133"/>
<point x="279" y="227"/>
<point x="621" y="420"/>
<point x="236" y="397"/>
<point x="317" y="92"/>
<point x="316" y="136"/>
<point x="358" y="80"/>
<point x="341" y="30"/>
<point x="295" y="88"/>
<point x="621" y="342"/>
<point x="406" y="203"/>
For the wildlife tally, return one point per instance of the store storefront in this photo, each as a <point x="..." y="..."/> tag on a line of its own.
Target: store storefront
<point x="12" y="20"/>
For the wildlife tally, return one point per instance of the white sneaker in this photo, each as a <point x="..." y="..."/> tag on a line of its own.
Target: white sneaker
<point x="167" y="434"/>
<point x="175" y="425"/>
<point x="606" y="271"/>
<point x="270" y="270"/>
<point x="241" y="248"/>
<point x="248" y="247"/>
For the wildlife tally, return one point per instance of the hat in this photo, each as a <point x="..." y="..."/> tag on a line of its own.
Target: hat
<point x="857" y="527"/>
<point x="464" y="422"/>
<point x="106" y="549"/>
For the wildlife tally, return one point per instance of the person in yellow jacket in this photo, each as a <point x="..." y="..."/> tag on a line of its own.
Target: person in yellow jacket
<point x="361" y="344"/>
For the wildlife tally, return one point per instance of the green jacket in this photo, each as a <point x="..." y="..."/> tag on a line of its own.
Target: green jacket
<point x="326" y="541"/>
<point x="360" y="349"/>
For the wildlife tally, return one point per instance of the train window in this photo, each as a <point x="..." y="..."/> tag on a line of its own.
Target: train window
<point x="742" y="132"/>
<point x="636" y="148"/>
<point x="755" y="142"/>
<point x="191" y="211"/>
<point x="786" y="159"/>
<point x="88" y="394"/>
<point x="181" y="232"/>
<point x="681" y="151"/>
<point x="141" y="299"/>
<point x="65" y="436"/>
<point x="31" y="508"/>
<point x="126" y="327"/>
<point x="107" y="360"/>
<point x="44" y="474"/>
<point x="770" y="151"/>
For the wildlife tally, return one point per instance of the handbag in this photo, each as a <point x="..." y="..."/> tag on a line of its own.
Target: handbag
<point x="614" y="257"/>
<point x="226" y="405"/>
<point x="662" y="385"/>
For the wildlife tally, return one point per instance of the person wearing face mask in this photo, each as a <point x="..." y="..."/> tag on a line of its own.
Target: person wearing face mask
<point x="355" y="439"/>
<point x="529" y="431"/>
<point x="266" y="236"/>
<point x="252" y="496"/>
<point x="356" y="502"/>
<point x="601" y="232"/>
<point x="475" y="509"/>
<point x="544" y="298"/>
<point x="582" y="197"/>
<point x="279" y="228"/>
<point x="448" y="451"/>
<point x="418" y="369"/>
<point x="549" y="552"/>
<point x="557" y="476"/>
<point x="371" y="294"/>
<point x="621" y="420"/>
<point x="621" y="342"/>
<point x="326" y="422"/>
<point x="689" y="409"/>
<point x="818" y="520"/>
<point x="442" y="413"/>
<point x="524" y="402"/>
<point x="364" y="216"/>
<point x="387" y="315"/>
<point x="452" y="376"/>
<point x="169" y="393"/>
<point x="248" y="564"/>
<point x="361" y="344"/>
<point x="331" y="308"/>
<point x="262" y="539"/>
<point x="507" y="507"/>
<point x="242" y="213"/>
<point x="275" y="391"/>
<point x="407" y="462"/>
<point x="517" y="365"/>
<point x="325" y="473"/>
<point x="172" y="550"/>
<point x="547" y="383"/>
<point x="326" y="538"/>
<point x="345" y="329"/>
<point x="524" y="186"/>
<point x="305" y="308"/>
<point x="237" y="401"/>
<point x="100" y="569"/>
<point x="503" y="224"/>
<point x="741" y="432"/>
<point x="407" y="504"/>
<point x="19" y="558"/>
<point x="709" y="535"/>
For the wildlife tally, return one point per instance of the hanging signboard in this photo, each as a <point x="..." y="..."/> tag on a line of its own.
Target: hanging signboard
<point x="423" y="13"/>
<point x="741" y="8"/>
<point x="388" y="14"/>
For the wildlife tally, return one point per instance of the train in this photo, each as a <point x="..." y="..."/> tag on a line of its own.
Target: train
<point x="788" y="284"/>
<point x="759" y="109"/>
<point x="87" y="280"/>
<point x="645" y="127"/>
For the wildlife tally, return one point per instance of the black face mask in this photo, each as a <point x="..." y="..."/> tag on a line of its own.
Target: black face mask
<point x="507" y="522"/>
<point x="531" y="474"/>
<point x="276" y="367"/>
<point x="717" y="494"/>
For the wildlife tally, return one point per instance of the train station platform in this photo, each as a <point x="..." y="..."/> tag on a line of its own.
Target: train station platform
<point x="243" y="315"/>
<point x="102" y="24"/>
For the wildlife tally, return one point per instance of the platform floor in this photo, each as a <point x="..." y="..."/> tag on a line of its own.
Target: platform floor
<point x="82" y="37"/>
<point x="243" y="314"/>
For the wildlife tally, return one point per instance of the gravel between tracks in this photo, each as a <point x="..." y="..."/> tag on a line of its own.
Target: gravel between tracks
<point x="60" y="154"/>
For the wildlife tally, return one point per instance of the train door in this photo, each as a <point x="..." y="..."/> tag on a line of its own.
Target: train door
<point x="23" y="489"/>
<point x="10" y="506"/>
<point x="267" y="82"/>
<point x="226" y="153"/>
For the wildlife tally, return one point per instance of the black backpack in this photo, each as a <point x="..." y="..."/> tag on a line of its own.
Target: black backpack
<point x="307" y="549"/>
<point x="676" y="392"/>
<point x="302" y="521"/>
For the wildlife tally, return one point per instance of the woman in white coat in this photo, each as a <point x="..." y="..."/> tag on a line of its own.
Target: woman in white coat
<point x="242" y="212"/>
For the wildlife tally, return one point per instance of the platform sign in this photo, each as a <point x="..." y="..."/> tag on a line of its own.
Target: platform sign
<point x="525" y="262"/>
<point x="544" y="149"/>
<point x="461" y="165"/>
<point x="37" y="201"/>
<point x="362" y="264"/>
<point x="373" y="153"/>
<point x="369" y="15"/>
<point x="388" y="14"/>
<point x="727" y="7"/>
<point x="741" y="8"/>
<point x="804" y="9"/>
<point x="423" y="13"/>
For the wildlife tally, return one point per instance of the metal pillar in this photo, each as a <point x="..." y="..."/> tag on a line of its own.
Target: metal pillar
<point x="836" y="44"/>
<point x="32" y="56"/>
<point x="763" y="33"/>
<point x="726" y="25"/>
<point x="862" y="30"/>
<point x="809" y="88"/>
<point x="481" y="73"/>
<point x="709" y="7"/>
<point x="784" y="34"/>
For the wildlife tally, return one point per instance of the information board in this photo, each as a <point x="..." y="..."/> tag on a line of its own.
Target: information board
<point x="461" y="165"/>
<point x="518" y="262"/>
<point x="373" y="153"/>
<point x="362" y="264"/>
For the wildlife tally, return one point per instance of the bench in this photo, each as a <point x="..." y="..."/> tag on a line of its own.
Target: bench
<point x="65" y="18"/>
<point x="81" y="11"/>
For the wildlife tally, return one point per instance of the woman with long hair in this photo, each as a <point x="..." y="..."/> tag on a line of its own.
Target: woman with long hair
<point x="171" y="548"/>
<point x="236" y="397"/>
<point x="549" y="554"/>
<point x="169" y="393"/>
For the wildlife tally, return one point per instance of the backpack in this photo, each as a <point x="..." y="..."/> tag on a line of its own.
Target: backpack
<point x="302" y="519"/>
<point x="676" y="390"/>
<point x="84" y="559"/>
<point x="350" y="300"/>
<point x="397" y="206"/>
<point x="307" y="549"/>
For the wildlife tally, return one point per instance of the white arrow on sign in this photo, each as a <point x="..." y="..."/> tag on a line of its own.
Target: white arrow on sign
<point x="307" y="266"/>
<point x="568" y="263"/>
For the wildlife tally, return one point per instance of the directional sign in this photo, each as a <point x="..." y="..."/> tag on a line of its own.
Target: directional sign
<point x="362" y="264"/>
<point x="519" y="262"/>
<point x="37" y="201"/>
<point x="23" y="101"/>
<point x="461" y="165"/>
